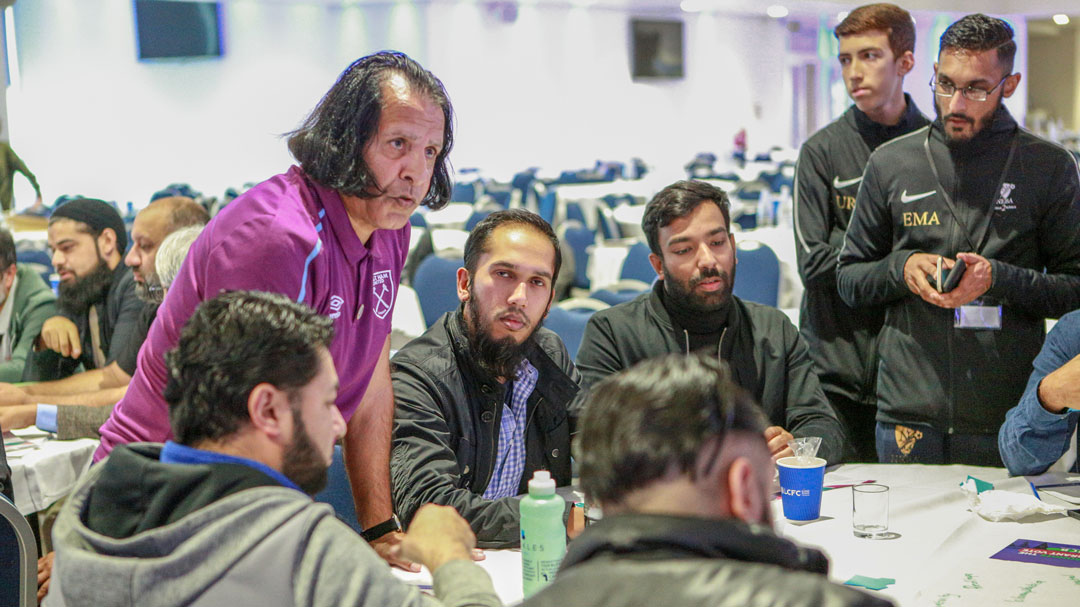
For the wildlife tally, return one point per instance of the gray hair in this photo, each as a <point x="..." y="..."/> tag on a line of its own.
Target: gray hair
<point x="173" y="250"/>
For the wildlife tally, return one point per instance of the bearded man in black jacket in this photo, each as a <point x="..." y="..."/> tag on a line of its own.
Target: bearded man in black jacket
<point x="971" y="187"/>
<point x="483" y="398"/>
<point x="691" y="308"/>
<point x="672" y="450"/>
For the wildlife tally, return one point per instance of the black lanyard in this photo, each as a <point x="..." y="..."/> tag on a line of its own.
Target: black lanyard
<point x="948" y="199"/>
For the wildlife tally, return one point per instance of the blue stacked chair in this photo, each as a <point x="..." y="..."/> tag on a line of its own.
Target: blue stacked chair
<point x="579" y="238"/>
<point x="637" y="265"/>
<point x="568" y="319"/>
<point x="758" y="275"/>
<point x="417" y="220"/>
<point x="435" y="283"/>
<point x="464" y="192"/>
<point x="34" y="255"/>
<point x="18" y="558"/>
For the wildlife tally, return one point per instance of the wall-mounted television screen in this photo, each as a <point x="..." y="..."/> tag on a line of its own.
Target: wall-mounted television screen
<point x="656" y="49"/>
<point x="167" y="29"/>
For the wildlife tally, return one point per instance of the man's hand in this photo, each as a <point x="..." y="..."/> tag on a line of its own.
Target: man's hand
<point x="61" y="335"/>
<point x="777" y="439"/>
<point x="44" y="575"/>
<point x="13" y="395"/>
<point x="975" y="281"/>
<point x="1059" y="390"/>
<point x="438" y="535"/>
<point x="389" y="548"/>
<point x="19" y="416"/>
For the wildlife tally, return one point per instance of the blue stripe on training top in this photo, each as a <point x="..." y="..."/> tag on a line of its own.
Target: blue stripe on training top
<point x="310" y="257"/>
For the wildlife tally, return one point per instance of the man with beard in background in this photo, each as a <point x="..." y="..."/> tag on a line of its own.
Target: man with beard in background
<point x="99" y="310"/>
<point x="971" y="187"/>
<point x="691" y="308"/>
<point x="100" y="387"/>
<point x="483" y="397"/>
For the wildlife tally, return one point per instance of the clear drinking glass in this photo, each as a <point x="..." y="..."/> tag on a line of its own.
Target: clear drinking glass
<point x="870" y="510"/>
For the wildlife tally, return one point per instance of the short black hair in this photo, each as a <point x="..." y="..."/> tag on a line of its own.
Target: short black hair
<point x="639" y="423"/>
<point x="330" y="144"/>
<point x="477" y="243"/>
<point x="7" y="249"/>
<point x="232" y="343"/>
<point x="679" y="200"/>
<point x="979" y="33"/>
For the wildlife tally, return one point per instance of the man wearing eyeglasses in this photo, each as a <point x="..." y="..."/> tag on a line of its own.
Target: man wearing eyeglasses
<point x="973" y="188"/>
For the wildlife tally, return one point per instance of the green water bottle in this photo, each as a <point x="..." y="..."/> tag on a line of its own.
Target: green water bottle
<point x="543" y="533"/>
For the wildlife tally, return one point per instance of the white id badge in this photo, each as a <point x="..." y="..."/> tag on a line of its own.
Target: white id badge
<point x="974" y="316"/>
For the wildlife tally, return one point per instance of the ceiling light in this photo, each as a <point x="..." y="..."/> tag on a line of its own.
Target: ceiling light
<point x="1061" y="19"/>
<point x="777" y="11"/>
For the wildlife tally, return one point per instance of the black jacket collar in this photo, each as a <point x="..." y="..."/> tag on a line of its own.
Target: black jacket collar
<point x="666" y="536"/>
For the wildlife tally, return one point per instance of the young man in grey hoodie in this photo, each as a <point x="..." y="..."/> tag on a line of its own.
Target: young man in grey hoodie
<point x="224" y="514"/>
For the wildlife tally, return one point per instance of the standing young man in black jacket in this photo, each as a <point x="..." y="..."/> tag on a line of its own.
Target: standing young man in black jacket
<point x="975" y="187"/>
<point x="483" y="397"/>
<point x="691" y="308"/>
<point x="876" y="43"/>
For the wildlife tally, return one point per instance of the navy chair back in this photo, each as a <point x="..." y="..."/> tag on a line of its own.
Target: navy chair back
<point x="636" y="265"/>
<point x="18" y="558"/>
<point x="35" y="256"/>
<point x="579" y="238"/>
<point x="758" y="275"/>
<point x="436" y="286"/>
<point x="338" y="492"/>
<point x="417" y="220"/>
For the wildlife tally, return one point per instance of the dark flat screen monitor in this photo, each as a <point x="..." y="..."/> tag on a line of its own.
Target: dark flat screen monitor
<point x="656" y="49"/>
<point x="167" y="29"/>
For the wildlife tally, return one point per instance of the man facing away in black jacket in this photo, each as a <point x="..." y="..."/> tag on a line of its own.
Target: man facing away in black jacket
<point x="673" y="451"/>
<point x="691" y="307"/>
<point x="482" y="399"/>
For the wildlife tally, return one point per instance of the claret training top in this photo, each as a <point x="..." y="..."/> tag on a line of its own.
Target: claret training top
<point x="287" y="235"/>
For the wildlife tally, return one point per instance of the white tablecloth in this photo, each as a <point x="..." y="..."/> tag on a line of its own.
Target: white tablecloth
<point x="940" y="557"/>
<point x="940" y="542"/>
<point x="42" y="469"/>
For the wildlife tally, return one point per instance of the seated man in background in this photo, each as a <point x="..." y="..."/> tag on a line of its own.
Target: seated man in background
<point x="82" y="421"/>
<point x="27" y="303"/>
<point x="103" y="387"/>
<point x="673" y="451"/>
<point x="691" y="307"/>
<point x="1037" y="431"/>
<point x="224" y="514"/>
<point x="482" y="398"/>
<point x="99" y="311"/>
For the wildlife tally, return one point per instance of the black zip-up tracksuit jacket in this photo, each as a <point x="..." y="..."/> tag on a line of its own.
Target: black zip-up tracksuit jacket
<point x="842" y="339"/>
<point x="446" y="427"/>
<point x="1027" y="220"/>
<point x="766" y="355"/>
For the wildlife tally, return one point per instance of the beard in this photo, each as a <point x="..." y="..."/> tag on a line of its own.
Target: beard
<point x="78" y="295"/>
<point x="150" y="289"/>
<point x="499" y="357"/>
<point x="683" y="296"/>
<point x="302" y="462"/>
<point x="977" y="126"/>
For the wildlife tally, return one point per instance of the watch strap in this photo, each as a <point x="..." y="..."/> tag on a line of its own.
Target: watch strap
<point x="376" y="531"/>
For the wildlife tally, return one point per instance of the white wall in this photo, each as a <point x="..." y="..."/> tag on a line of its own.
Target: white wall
<point x="552" y="89"/>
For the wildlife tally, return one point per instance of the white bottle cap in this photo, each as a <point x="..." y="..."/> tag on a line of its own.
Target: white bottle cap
<point x="542" y="482"/>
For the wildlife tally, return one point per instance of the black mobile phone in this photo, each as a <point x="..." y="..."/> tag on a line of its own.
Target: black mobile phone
<point x="954" y="276"/>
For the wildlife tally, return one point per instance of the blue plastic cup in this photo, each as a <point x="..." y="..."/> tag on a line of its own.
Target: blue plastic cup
<point x="800" y="488"/>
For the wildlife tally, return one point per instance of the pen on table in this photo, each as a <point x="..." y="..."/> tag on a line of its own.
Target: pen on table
<point x="1072" y="484"/>
<point x="1035" y="490"/>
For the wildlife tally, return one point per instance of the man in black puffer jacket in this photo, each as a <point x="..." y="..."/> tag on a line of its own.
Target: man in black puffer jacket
<point x="483" y="397"/>
<point x="673" y="452"/>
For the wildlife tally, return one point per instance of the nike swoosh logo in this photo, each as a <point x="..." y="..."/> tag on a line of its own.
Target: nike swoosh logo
<point x="836" y="183"/>
<point x="904" y="198"/>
